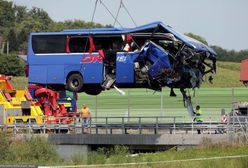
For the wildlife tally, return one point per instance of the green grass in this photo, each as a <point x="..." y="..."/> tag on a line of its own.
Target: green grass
<point x="120" y="154"/>
<point x="227" y="75"/>
<point x="19" y="82"/>
<point x="146" y="102"/>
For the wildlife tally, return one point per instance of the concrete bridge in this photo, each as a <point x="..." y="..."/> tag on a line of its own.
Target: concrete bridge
<point x="67" y="144"/>
<point x="138" y="136"/>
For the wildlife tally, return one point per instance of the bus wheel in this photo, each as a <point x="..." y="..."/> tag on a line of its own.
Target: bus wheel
<point x="75" y="83"/>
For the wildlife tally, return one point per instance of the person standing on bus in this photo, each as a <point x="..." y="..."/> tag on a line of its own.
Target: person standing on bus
<point x="85" y="114"/>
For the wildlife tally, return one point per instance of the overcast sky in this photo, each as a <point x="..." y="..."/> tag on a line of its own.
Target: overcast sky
<point x="221" y="22"/>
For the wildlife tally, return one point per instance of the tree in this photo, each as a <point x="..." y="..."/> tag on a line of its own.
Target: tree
<point x="197" y="37"/>
<point x="22" y="40"/>
<point x="7" y="16"/>
<point x="40" y="17"/>
<point x="21" y="13"/>
<point x="226" y="55"/>
<point x="31" y="25"/>
<point x="13" y="43"/>
<point x="73" y="24"/>
<point x="16" y="23"/>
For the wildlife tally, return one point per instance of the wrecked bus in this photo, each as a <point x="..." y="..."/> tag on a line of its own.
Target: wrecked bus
<point x="92" y="60"/>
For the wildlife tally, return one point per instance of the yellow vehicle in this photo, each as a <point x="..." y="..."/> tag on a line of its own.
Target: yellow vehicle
<point x="17" y="106"/>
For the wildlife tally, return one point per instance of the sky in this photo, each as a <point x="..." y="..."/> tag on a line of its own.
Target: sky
<point x="220" y="22"/>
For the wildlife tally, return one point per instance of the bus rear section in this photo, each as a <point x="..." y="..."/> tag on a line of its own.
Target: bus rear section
<point x="59" y="62"/>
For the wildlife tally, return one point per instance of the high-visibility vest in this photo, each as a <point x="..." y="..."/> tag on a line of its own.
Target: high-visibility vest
<point x="199" y="115"/>
<point x="85" y="113"/>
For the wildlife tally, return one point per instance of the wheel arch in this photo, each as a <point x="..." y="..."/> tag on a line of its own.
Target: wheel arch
<point x="72" y="72"/>
<point x="69" y="83"/>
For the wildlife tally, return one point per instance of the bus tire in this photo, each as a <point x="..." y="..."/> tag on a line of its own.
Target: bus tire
<point x="75" y="82"/>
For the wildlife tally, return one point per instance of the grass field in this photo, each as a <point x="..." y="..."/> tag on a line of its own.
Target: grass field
<point x="145" y="102"/>
<point x="227" y="75"/>
<point x="175" y="159"/>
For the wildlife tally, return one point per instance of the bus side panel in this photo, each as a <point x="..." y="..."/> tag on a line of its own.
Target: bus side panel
<point x="38" y="75"/>
<point x="72" y="68"/>
<point x="55" y="74"/>
<point x="92" y="73"/>
<point x="124" y="68"/>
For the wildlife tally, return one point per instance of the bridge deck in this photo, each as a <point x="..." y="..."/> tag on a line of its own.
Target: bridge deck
<point x="134" y="139"/>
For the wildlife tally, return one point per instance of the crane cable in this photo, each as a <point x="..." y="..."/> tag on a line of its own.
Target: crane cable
<point x="117" y="13"/>
<point x="122" y="4"/>
<point x="129" y="14"/>
<point x="114" y="17"/>
<point x="94" y="11"/>
<point x="110" y="12"/>
<point x="125" y="8"/>
<point x="92" y="18"/>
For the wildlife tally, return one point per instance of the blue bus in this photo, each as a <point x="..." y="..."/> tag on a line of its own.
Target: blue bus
<point x="92" y="60"/>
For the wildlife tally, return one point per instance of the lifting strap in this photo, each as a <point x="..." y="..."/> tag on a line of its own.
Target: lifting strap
<point x="92" y="46"/>
<point x="67" y="44"/>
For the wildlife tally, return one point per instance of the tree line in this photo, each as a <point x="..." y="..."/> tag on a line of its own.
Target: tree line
<point x="223" y="54"/>
<point x="16" y="22"/>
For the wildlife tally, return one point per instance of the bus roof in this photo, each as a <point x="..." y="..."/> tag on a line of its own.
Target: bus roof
<point x="152" y="27"/>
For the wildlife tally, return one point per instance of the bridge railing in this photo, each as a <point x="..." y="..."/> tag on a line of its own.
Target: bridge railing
<point x="129" y="125"/>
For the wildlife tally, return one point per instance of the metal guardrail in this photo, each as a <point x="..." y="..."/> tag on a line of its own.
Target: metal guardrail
<point x="128" y="125"/>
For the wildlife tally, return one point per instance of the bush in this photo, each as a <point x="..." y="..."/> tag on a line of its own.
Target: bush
<point x="4" y="145"/>
<point x="11" y="65"/>
<point x="41" y="150"/>
<point x="79" y="158"/>
<point x="34" y="150"/>
<point x="96" y="158"/>
<point x="117" y="154"/>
